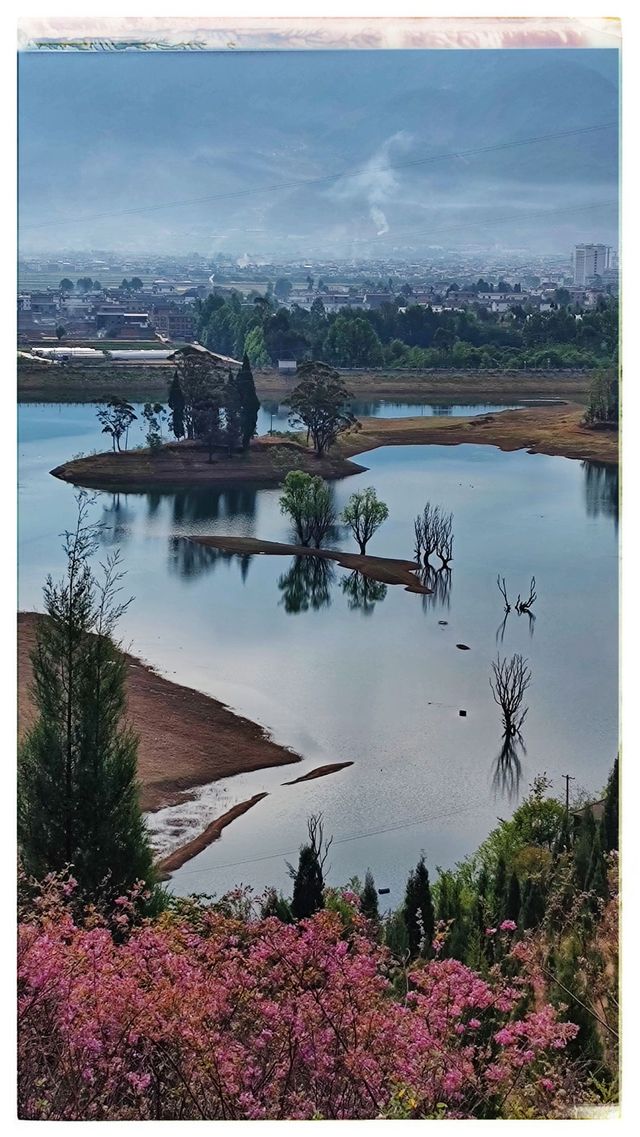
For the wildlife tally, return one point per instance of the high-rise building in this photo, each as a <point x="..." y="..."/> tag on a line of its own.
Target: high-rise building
<point x="590" y="261"/>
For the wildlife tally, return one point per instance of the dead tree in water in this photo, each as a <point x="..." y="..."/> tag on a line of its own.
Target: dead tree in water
<point x="433" y="534"/>
<point x="526" y="605"/>
<point x="444" y="538"/>
<point x="502" y="585"/>
<point x="511" y="677"/>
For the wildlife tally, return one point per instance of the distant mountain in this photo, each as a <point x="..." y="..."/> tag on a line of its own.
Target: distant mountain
<point x="109" y="134"/>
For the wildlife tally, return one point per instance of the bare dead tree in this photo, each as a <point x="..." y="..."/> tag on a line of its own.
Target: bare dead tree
<point x="425" y="526"/>
<point x="317" y="840"/>
<point x="444" y="538"/>
<point x="511" y="678"/>
<point x="526" y="605"/>
<point x="502" y="585"/>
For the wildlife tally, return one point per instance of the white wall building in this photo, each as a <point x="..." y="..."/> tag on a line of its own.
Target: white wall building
<point x="590" y="261"/>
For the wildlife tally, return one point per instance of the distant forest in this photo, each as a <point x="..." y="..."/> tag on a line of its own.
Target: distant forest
<point x="405" y="335"/>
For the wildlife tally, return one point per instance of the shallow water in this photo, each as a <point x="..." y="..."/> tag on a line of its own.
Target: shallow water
<point x="340" y="675"/>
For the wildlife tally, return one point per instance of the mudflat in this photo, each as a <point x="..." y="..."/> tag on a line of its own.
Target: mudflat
<point x="187" y="739"/>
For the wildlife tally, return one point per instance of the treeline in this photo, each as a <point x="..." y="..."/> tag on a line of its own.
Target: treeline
<point x="401" y="334"/>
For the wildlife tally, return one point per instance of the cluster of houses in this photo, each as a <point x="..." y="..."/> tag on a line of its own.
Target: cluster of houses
<point x="162" y="311"/>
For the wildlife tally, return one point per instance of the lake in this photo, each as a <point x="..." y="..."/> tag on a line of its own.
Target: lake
<point x="339" y="672"/>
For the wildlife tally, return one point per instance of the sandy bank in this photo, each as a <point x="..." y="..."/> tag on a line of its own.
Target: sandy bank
<point x="182" y="464"/>
<point x="186" y="738"/>
<point x="555" y="430"/>
<point x="319" y="772"/>
<point x="213" y="832"/>
<point x="387" y="570"/>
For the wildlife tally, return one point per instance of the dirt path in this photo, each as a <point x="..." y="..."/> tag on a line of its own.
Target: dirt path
<point x="186" y="738"/>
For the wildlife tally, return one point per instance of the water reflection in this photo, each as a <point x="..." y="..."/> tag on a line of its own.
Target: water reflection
<point x="439" y="581"/>
<point x="307" y="584"/>
<point x="115" y="525"/>
<point x="362" y="592"/>
<point x="507" y="766"/>
<point x="201" y="503"/>
<point x="601" y="489"/>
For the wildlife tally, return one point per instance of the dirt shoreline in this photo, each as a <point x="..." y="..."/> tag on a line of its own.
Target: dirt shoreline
<point x="187" y="739"/>
<point x="386" y="570"/>
<point x="213" y="832"/>
<point x="151" y="380"/>
<point x="554" y="430"/>
<point x="319" y="772"/>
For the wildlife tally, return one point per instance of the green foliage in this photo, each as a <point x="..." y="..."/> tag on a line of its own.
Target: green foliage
<point x="308" y="501"/>
<point x="276" y="905"/>
<point x="308" y="878"/>
<point x="176" y="406"/>
<point x="255" y="348"/>
<point x="369" y="898"/>
<point x="418" y="911"/>
<point x="249" y="402"/>
<point x="603" y="398"/>
<point x="352" y="342"/>
<point x="116" y="418"/>
<point x="60" y="332"/>
<point x="610" y="834"/>
<point x="364" y="514"/>
<point x="77" y="769"/>
<point x="153" y="413"/>
<point x="321" y="403"/>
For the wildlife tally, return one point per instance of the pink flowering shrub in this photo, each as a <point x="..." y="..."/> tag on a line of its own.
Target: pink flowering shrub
<point x="252" y="1018"/>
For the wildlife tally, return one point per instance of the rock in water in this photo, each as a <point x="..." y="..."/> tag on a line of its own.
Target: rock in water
<point x="463" y="647"/>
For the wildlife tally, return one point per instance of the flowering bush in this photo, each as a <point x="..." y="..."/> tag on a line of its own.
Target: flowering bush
<point x="232" y="1018"/>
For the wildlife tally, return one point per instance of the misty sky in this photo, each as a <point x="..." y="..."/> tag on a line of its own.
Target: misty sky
<point x="108" y="142"/>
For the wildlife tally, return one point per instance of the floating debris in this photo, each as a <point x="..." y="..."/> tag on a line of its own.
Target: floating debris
<point x="443" y="623"/>
<point x="463" y="647"/>
<point x="463" y="714"/>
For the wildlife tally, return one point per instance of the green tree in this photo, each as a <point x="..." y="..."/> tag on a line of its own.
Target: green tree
<point x="418" y="910"/>
<point x="282" y="288"/>
<point x="321" y="403"/>
<point x="78" y="800"/>
<point x="308" y="878"/>
<point x="60" y="332"/>
<point x="255" y="347"/>
<point x="364" y="514"/>
<point x="66" y="285"/>
<point x="153" y="414"/>
<point x="369" y="898"/>
<point x="116" y="418"/>
<point x="513" y="899"/>
<point x="176" y="406"/>
<point x="610" y="814"/>
<point x="603" y="398"/>
<point x="308" y="501"/>
<point x="135" y="284"/>
<point x="352" y="342"/>
<point x="249" y="402"/>
<point x="274" y="904"/>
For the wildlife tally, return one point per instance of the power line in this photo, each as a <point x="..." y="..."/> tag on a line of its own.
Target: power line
<point x="344" y="840"/>
<point x="294" y="184"/>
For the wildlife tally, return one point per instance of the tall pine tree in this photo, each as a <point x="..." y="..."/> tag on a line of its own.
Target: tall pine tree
<point x="369" y="898"/>
<point x="176" y="406"/>
<point x="78" y="800"/>
<point x="418" y="910"/>
<point x="249" y="402"/>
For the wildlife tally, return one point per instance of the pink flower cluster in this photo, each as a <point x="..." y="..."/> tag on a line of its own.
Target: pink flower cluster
<point x="255" y="1019"/>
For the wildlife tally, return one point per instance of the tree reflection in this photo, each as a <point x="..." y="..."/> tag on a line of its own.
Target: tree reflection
<point x="439" y="582"/>
<point x="190" y="559"/>
<point x="507" y="767"/>
<point x="201" y="503"/>
<point x="307" y="584"/>
<point x="115" y="523"/>
<point x="362" y="592"/>
<point x="601" y="486"/>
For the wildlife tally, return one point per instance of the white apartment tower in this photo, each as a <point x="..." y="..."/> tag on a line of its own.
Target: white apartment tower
<point x="589" y="261"/>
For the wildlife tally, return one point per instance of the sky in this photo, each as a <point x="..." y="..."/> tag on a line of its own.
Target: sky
<point x="333" y="153"/>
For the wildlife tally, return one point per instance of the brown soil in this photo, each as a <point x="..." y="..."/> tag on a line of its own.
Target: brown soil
<point x="319" y="772"/>
<point x="151" y="380"/>
<point x="213" y="832"/>
<point x="186" y="738"/>
<point x="540" y="430"/>
<point x="385" y="569"/>
<point x="182" y="464"/>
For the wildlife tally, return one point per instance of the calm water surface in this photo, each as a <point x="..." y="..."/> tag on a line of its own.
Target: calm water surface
<point x="339" y="672"/>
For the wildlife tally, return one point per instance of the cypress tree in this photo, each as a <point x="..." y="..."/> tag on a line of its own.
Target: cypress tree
<point x="369" y="898"/>
<point x="78" y="800"/>
<point x="512" y="905"/>
<point x="176" y="405"/>
<point x="308" y="884"/>
<point x="610" y="817"/>
<point x="499" y="887"/>
<point x="418" y="910"/>
<point x="533" y="903"/>
<point x="582" y="849"/>
<point x="597" y="871"/>
<point x="249" y="402"/>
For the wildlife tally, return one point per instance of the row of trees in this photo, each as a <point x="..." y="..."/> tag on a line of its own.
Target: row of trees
<point x="401" y="335"/>
<point x="307" y="500"/>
